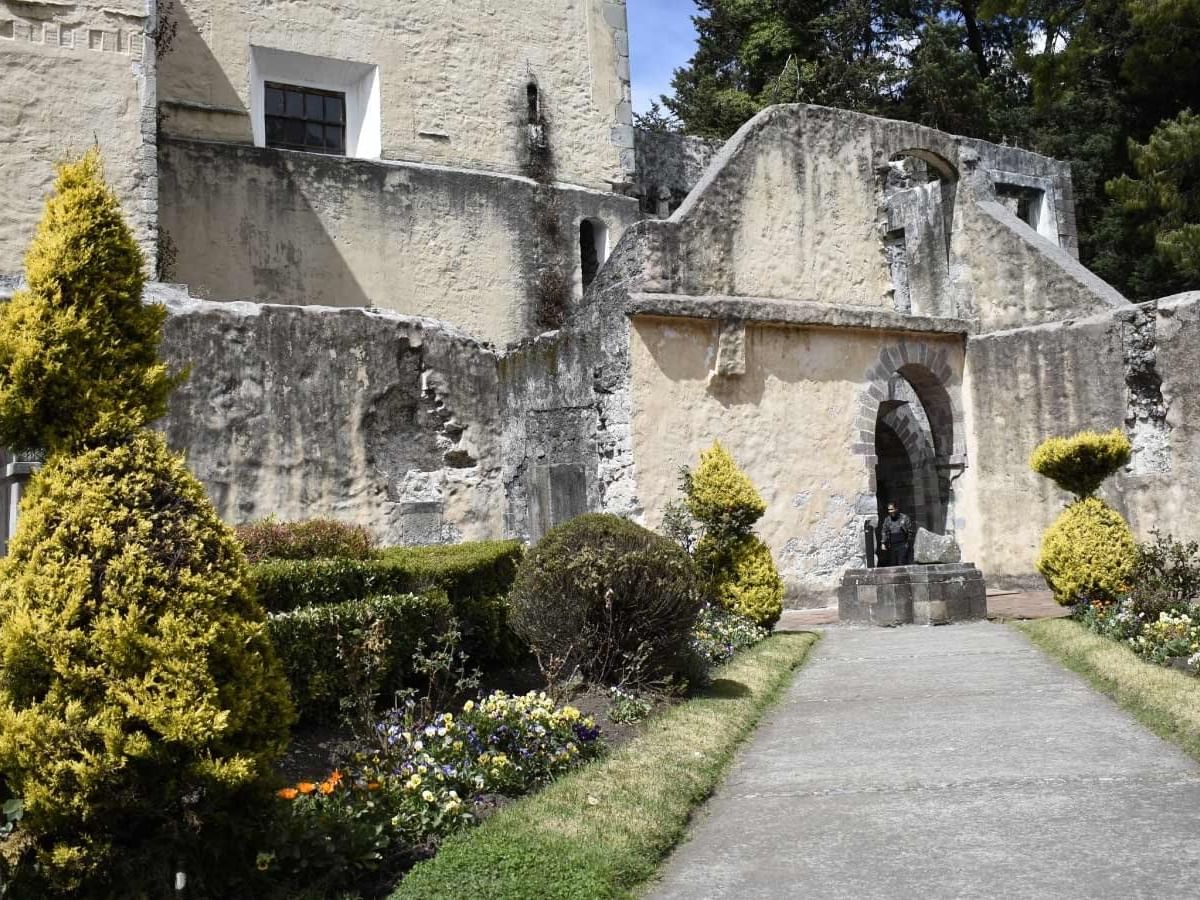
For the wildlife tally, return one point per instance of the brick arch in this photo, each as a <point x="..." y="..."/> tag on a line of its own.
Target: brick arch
<point x="928" y="371"/>
<point x="917" y="440"/>
<point x="915" y="368"/>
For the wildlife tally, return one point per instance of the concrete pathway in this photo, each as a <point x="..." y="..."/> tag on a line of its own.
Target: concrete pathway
<point x="955" y="761"/>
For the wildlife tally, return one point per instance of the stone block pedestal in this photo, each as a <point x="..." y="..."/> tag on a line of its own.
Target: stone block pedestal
<point x="920" y="595"/>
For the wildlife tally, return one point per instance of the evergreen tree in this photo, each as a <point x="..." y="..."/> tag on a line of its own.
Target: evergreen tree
<point x="78" y="349"/>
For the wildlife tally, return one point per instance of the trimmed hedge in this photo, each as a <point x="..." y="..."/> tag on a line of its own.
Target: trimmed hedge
<point x="474" y="576"/>
<point x="310" y="539"/>
<point x="309" y="648"/>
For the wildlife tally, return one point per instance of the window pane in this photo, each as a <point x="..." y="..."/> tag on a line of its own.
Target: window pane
<point x="333" y="109"/>
<point x="312" y="106"/>
<point x="314" y="135"/>
<point x="274" y="101"/>
<point x="333" y="138"/>
<point x="293" y="132"/>
<point x="274" y="130"/>
<point x="295" y="104"/>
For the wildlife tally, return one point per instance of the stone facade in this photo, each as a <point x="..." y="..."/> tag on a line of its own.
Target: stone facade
<point x="502" y="307"/>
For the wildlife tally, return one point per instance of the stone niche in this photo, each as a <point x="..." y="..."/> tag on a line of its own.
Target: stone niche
<point x="920" y="595"/>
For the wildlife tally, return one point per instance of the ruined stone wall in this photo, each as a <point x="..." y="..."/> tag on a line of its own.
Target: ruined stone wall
<point x="1135" y="369"/>
<point x="792" y="418"/>
<point x="802" y="204"/>
<point x="452" y="77"/>
<point x="495" y="255"/>
<point x="668" y="166"/>
<point x="383" y="420"/>
<point x="74" y="74"/>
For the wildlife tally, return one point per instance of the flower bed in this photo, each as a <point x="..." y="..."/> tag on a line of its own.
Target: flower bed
<point x="423" y="781"/>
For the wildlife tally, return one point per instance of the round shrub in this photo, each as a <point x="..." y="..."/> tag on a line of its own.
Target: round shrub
<point x="1080" y="463"/>
<point x="1088" y="553"/>
<point x="141" y="704"/>
<point x="751" y="585"/>
<point x="607" y="598"/>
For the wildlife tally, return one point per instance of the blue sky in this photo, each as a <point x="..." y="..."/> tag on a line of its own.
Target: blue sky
<point x="661" y="38"/>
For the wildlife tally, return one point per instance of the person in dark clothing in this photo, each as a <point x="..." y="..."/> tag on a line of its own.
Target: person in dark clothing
<point x="895" y="536"/>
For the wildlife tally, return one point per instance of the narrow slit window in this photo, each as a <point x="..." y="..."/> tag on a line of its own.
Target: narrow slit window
<point x="300" y="118"/>
<point x="533" y="103"/>
<point x="593" y="248"/>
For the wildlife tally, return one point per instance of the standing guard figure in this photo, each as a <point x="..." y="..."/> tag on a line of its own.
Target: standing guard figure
<point x="895" y="535"/>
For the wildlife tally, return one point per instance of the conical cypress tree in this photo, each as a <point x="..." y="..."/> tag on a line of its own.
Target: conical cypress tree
<point x="141" y="703"/>
<point x="78" y="349"/>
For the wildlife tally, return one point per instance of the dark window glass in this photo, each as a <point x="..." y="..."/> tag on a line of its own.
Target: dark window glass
<point x="300" y="118"/>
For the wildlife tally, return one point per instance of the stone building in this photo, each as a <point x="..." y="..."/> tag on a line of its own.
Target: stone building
<point x="429" y="279"/>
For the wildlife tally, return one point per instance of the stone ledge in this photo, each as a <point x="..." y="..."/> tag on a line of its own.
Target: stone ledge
<point x="921" y="595"/>
<point x="789" y="312"/>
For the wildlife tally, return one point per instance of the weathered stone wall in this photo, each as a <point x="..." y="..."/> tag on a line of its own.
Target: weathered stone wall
<point x="800" y="205"/>
<point x="668" y="166"/>
<point x="1096" y="373"/>
<point x="468" y="247"/>
<point x="792" y="418"/>
<point x="388" y="421"/>
<point x="73" y="75"/>
<point x="452" y="76"/>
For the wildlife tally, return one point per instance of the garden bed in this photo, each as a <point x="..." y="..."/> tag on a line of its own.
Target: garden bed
<point x="602" y="830"/>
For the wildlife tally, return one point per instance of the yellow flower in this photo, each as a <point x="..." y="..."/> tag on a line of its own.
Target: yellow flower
<point x="427" y="796"/>
<point x="468" y="706"/>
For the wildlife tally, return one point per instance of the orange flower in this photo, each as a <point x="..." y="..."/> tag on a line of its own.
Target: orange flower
<point x="306" y="787"/>
<point x="336" y="778"/>
<point x="288" y="793"/>
<point x="372" y="785"/>
<point x="326" y="787"/>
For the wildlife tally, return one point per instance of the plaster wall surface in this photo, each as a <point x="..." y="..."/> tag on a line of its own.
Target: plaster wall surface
<point x="1029" y="384"/>
<point x="383" y="420"/>
<point x="285" y="227"/>
<point x="73" y="75"/>
<point x="788" y="421"/>
<point x="453" y="76"/>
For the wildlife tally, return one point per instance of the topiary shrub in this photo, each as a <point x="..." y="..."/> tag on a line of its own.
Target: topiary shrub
<point x="1088" y="553"/>
<point x="751" y="585"/>
<point x="78" y="349"/>
<point x="604" y="597"/>
<point x="1080" y="463"/>
<point x="310" y="539"/>
<point x="736" y="566"/>
<point x="141" y="704"/>
<point x="721" y="497"/>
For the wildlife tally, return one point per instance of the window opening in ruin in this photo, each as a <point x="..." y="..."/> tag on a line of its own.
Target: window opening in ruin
<point x="593" y="248"/>
<point x="1023" y="202"/>
<point x="533" y="111"/>
<point x="301" y="118"/>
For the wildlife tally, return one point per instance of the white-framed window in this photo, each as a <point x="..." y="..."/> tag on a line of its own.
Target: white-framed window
<point x="286" y="89"/>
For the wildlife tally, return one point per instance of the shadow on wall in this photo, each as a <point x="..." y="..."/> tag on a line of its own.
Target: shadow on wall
<point x="189" y="73"/>
<point x="259" y="238"/>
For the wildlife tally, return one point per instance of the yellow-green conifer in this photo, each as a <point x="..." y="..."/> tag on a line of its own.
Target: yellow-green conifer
<point x="140" y="699"/>
<point x="78" y="349"/>
<point x="721" y="497"/>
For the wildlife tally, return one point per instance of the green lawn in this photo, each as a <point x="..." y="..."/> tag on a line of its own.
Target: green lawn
<point x="1164" y="700"/>
<point x="604" y="829"/>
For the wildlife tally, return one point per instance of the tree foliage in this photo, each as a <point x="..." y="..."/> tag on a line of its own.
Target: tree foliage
<point x="140" y="698"/>
<point x="1080" y="463"/>
<point x="1074" y="80"/>
<point x="78" y="349"/>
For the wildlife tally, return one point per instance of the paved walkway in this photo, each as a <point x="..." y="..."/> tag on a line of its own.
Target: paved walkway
<point x="944" y="762"/>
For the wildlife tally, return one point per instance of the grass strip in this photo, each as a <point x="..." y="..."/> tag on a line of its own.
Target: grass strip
<point x="604" y="829"/>
<point x="1164" y="700"/>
